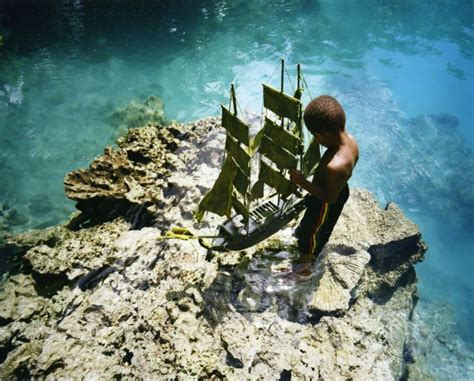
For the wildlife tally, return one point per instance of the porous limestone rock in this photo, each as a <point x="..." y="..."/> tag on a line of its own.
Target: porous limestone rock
<point x="93" y="247"/>
<point x="379" y="227"/>
<point x="136" y="306"/>
<point x="19" y="300"/>
<point x="340" y="272"/>
<point x="130" y="176"/>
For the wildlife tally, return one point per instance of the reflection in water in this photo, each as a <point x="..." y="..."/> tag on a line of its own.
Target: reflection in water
<point x="269" y="281"/>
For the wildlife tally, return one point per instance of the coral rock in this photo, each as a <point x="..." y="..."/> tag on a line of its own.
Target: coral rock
<point x="140" y="307"/>
<point x="130" y="175"/>
<point x="340" y="273"/>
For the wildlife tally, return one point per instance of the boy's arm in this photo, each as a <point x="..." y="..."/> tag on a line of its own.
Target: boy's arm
<point x="327" y="192"/>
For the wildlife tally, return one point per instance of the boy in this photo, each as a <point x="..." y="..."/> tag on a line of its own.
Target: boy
<point x="325" y="119"/>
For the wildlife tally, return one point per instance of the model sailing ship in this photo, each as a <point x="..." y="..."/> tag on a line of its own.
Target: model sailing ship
<point x="263" y="207"/>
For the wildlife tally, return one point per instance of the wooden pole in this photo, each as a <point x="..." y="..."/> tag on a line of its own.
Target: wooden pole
<point x="234" y="99"/>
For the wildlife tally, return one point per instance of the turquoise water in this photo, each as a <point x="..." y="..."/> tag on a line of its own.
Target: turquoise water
<point x="402" y="70"/>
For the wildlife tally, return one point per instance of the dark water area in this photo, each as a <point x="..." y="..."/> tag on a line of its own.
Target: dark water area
<point x="402" y="70"/>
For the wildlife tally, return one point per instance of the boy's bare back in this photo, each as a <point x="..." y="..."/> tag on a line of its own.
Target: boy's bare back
<point x="335" y="167"/>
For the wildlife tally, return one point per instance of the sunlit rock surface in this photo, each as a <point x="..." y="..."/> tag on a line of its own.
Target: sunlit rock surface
<point x="100" y="297"/>
<point x="340" y="273"/>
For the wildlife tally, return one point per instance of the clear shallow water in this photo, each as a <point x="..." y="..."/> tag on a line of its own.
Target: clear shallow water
<point x="403" y="72"/>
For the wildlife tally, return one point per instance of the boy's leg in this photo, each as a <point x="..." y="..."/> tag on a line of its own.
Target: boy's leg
<point x="304" y="230"/>
<point x="323" y="233"/>
<point x="317" y="224"/>
<point x="310" y="223"/>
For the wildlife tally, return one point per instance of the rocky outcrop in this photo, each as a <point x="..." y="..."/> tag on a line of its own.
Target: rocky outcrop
<point x="130" y="177"/>
<point x="131" y="304"/>
<point x="93" y="248"/>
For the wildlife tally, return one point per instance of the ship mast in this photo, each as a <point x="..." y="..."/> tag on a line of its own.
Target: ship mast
<point x="234" y="98"/>
<point x="300" y="122"/>
<point x="282" y="90"/>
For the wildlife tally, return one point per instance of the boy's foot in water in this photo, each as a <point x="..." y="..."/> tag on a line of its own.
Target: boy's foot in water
<point x="304" y="275"/>
<point x="302" y="267"/>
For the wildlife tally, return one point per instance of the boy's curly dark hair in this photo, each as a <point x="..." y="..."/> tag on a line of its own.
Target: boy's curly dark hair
<point x="324" y="114"/>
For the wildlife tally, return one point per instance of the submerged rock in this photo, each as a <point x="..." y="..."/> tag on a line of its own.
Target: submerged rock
<point x="10" y="217"/>
<point x="436" y="347"/>
<point x="137" y="114"/>
<point x="127" y="303"/>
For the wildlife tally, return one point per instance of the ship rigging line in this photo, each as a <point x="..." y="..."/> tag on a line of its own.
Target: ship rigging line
<point x="273" y="74"/>
<point x="289" y="78"/>
<point x="241" y="112"/>
<point x="305" y="83"/>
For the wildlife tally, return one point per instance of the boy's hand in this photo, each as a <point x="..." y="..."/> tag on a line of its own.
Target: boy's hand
<point x="297" y="177"/>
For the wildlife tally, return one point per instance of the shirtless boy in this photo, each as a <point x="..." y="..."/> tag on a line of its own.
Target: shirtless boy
<point x="325" y="119"/>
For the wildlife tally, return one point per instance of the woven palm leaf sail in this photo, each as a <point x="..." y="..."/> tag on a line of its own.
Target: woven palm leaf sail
<point x="255" y="210"/>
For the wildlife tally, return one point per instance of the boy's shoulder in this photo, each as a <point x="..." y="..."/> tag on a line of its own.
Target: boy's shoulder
<point x="343" y="162"/>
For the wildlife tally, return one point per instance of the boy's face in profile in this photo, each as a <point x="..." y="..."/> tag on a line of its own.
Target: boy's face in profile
<point x="320" y="137"/>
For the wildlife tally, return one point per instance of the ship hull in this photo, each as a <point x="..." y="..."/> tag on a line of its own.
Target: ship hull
<point x="264" y="221"/>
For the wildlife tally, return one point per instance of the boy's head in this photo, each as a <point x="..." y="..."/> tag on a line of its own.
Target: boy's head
<point x="324" y="116"/>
